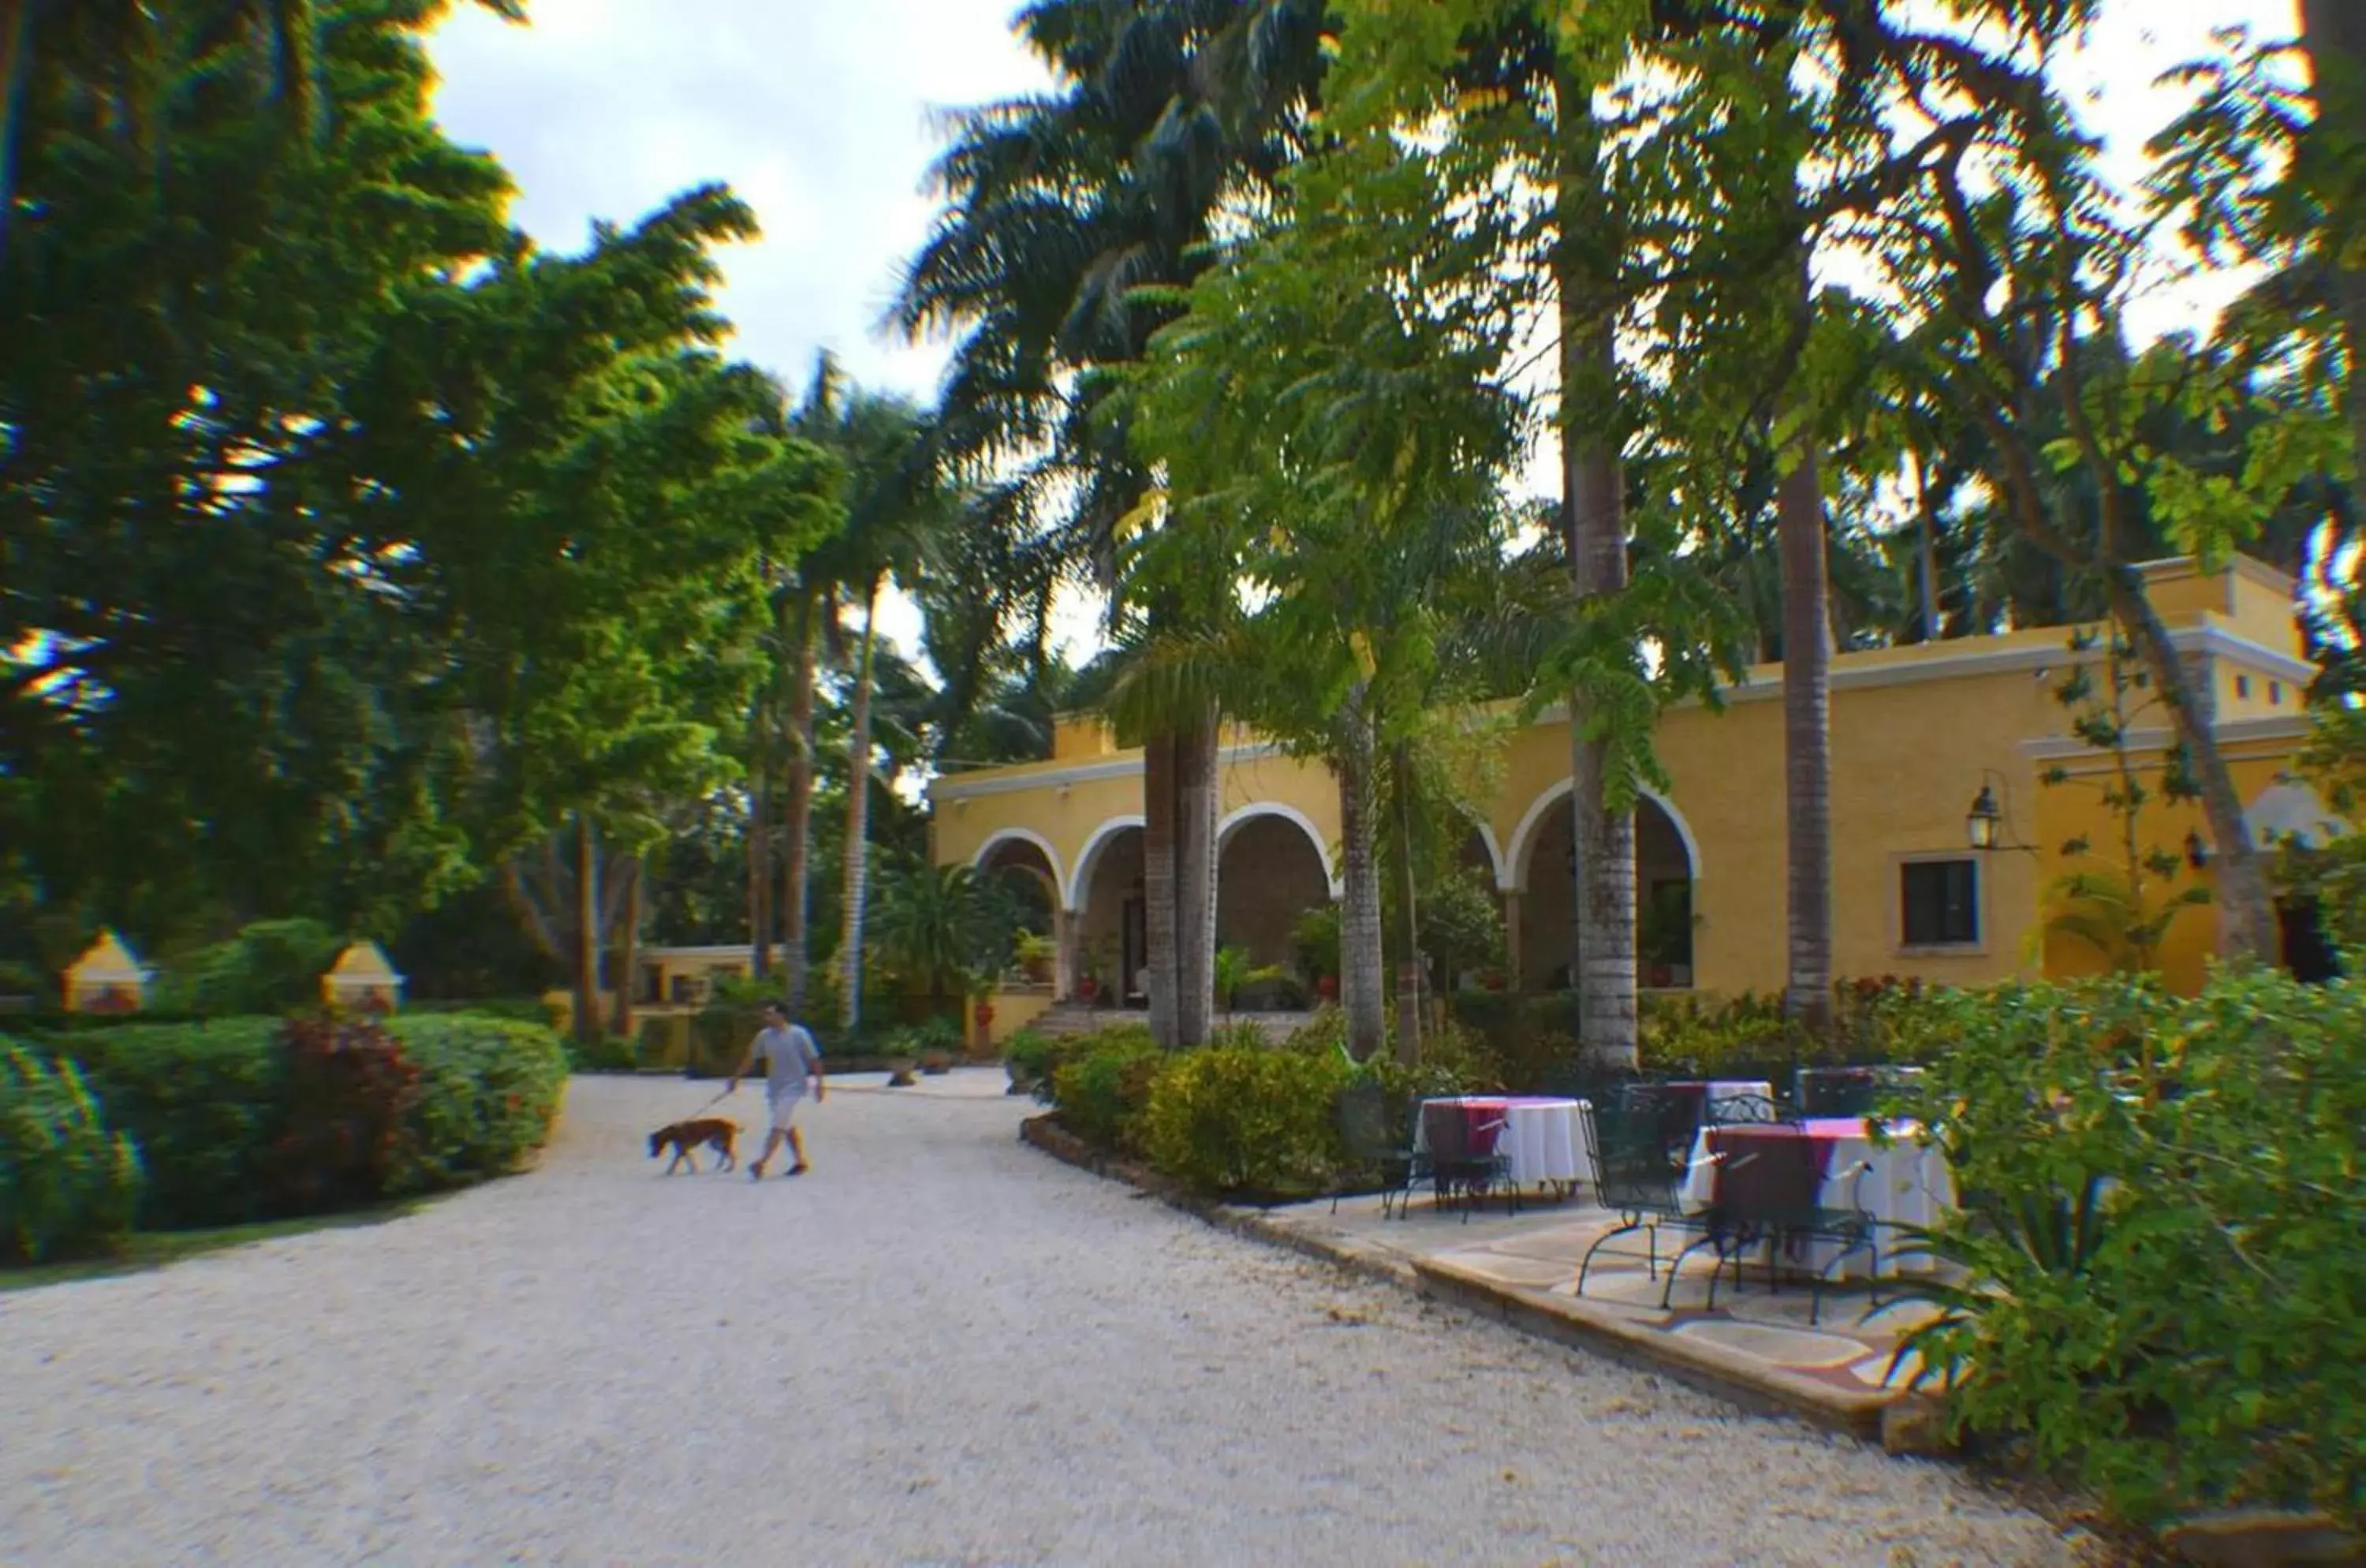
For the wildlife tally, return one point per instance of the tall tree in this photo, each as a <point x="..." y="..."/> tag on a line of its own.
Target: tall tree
<point x="1066" y="214"/>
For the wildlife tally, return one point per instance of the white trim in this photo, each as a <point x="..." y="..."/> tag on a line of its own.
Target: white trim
<point x="1233" y="822"/>
<point x="1512" y="876"/>
<point x="1002" y="780"/>
<point x="1074" y="898"/>
<point x="2061" y="747"/>
<point x="1494" y="852"/>
<point x="2287" y="807"/>
<point x="1025" y="836"/>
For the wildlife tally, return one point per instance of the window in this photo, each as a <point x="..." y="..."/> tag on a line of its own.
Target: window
<point x="2243" y="686"/>
<point x="1942" y="905"/>
<point x="2275" y="694"/>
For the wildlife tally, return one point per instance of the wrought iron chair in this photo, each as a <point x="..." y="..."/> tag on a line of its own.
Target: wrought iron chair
<point x="1634" y="1178"/>
<point x="1452" y="1163"/>
<point x="1770" y="1192"/>
<point x="1362" y="1115"/>
<point x="1741" y="1109"/>
<point x="1837" y="1091"/>
<point x="1674" y="1110"/>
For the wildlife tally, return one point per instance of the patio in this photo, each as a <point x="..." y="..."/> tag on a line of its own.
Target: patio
<point x="1524" y="1266"/>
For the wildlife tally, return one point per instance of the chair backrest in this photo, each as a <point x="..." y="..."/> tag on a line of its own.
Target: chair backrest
<point x="1674" y="1110"/>
<point x="1766" y="1178"/>
<point x="1836" y="1091"/>
<point x="1631" y="1172"/>
<point x="1741" y="1109"/>
<point x="1445" y="1130"/>
<point x="1362" y="1111"/>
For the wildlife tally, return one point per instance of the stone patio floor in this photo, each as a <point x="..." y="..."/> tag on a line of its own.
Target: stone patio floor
<point x="1839" y="1369"/>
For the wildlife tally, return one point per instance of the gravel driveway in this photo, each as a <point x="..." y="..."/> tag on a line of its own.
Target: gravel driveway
<point x="941" y="1346"/>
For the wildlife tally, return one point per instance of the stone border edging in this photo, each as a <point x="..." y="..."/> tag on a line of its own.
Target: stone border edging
<point x="1708" y="1368"/>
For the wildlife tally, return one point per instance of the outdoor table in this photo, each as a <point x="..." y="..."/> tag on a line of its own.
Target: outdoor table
<point x="1541" y="1137"/>
<point x="1904" y="1184"/>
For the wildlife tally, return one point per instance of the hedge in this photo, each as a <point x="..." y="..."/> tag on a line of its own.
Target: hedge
<point x="67" y="1185"/>
<point x="206" y="1106"/>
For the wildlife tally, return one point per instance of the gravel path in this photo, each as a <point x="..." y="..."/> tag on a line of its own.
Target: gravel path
<point x="941" y="1346"/>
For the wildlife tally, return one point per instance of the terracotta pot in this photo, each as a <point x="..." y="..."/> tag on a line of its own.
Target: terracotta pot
<point x="1087" y="988"/>
<point x="1327" y="987"/>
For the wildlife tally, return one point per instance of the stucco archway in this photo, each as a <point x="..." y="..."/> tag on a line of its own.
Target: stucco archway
<point x="1233" y="822"/>
<point x="1106" y="917"/>
<point x="1540" y="869"/>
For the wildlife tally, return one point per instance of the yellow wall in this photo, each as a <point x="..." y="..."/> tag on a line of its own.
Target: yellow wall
<point x="1916" y="732"/>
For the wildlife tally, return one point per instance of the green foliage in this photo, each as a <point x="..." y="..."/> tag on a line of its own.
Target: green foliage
<point x="202" y="1101"/>
<point x="606" y="1054"/>
<point x="1461" y="929"/>
<point x="944" y="926"/>
<point x="489" y="1093"/>
<point x="67" y="1184"/>
<point x="1031" y="1055"/>
<point x="1315" y="938"/>
<point x="1236" y="973"/>
<point x="211" y="1106"/>
<point x="1100" y="1084"/>
<point x="1235" y="1122"/>
<point x="2165" y="1291"/>
<point x="270" y="966"/>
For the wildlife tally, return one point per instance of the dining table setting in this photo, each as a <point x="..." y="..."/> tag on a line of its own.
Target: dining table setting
<point x="1541" y="1139"/>
<point x="1900" y="1181"/>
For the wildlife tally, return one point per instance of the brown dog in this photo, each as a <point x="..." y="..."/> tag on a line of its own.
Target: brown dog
<point x="717" y="1132"/>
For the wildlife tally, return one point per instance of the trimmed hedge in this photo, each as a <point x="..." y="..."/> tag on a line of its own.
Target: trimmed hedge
<point x="67" y="1185"/>
<point x="208" y="1106"/>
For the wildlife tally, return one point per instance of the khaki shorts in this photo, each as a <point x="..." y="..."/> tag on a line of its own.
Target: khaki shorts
<point x="784" y="1112"/>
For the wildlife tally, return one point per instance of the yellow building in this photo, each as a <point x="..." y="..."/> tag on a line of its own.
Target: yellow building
<point x="1917" y="734"/>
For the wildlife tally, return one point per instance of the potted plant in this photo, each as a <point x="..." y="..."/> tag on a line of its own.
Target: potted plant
<point x="1664" y="933"/>
<point x="1035" y="955"/>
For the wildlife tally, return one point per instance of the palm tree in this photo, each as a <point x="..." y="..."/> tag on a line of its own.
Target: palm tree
<point x="897" y="509"/>
<point x="1061" y="211"/>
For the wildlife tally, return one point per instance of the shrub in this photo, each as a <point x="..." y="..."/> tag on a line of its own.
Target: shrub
<point x="1102" y="1083"/>
<point x="489" y="1090"/>
<point x="665" y="1040"/>
<point x="608" y="1054"/>
<point x="346" y="1121"/>
<point x="67" y="1184"/>
<point x="202" y="1102"/>
<point x="1246" y="1122"/>
<point x="2167" y="1290"/>
<point x="1031" y="1055"/>
<point x="209" y="1106"/>
<point x="270" y="966"/>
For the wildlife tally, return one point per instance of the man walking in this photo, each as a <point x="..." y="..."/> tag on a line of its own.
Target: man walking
<point x="790" y="1057"/>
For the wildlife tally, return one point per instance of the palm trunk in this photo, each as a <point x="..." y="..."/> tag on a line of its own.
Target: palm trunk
<point x="2248" y="928"/>
<point x="629" y="934"/>
<point x="1158" y="886"/>
<point x="1595" y="527"/>
<point x="1363" y="974"/>
<point x="1927" y="560"/>
<point x="857" y="864"/>
<point x="759" y="853"/>
<point x="1806" y="741"/>
<point x="586" y="932"/>
<point x="15" y="82"/>
<point x="1408" y="915"/>
<point x="796" y="848"/>
<point x="1195" y="770"/>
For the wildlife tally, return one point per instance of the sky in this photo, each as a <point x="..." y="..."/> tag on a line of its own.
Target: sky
<point x="819" y="113"/>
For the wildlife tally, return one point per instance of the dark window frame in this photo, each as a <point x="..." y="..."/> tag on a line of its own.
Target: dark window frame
<point x="1944" y="910"/>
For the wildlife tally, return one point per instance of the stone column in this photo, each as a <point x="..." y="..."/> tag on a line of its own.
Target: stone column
<point x="1064" y="953"/>
<point x="1511" y="940"/>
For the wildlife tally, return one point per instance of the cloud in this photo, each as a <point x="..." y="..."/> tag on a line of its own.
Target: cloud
<point x="819" y="114"/>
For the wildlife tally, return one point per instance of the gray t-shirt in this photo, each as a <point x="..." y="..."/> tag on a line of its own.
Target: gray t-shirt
<point x="790" y="1055"/>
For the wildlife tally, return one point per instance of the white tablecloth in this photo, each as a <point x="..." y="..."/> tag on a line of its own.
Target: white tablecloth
<point x="1903" y="1185"/>
<point x="1542" y="1139"/>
